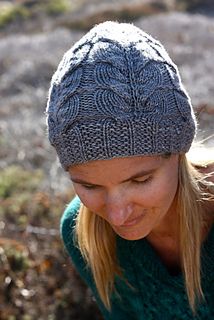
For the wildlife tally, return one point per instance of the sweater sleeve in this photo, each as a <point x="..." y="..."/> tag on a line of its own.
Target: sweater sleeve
<point x="67" y="225"/>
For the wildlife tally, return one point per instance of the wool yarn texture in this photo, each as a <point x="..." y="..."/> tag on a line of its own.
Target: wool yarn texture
<point x="116" y="93"/>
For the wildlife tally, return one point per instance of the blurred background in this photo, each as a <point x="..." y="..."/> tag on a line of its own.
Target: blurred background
<point x="37" y="280"/>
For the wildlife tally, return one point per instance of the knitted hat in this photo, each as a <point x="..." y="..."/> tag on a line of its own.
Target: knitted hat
<point x="116" y="93"/>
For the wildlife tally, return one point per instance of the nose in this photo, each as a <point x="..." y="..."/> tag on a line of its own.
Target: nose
<point x="118" y="208"/>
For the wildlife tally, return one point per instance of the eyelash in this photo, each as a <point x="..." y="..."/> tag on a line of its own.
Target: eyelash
<point x="143" y="181"/>
<point x="91" y="187"/>
<point x="88" y="187"/>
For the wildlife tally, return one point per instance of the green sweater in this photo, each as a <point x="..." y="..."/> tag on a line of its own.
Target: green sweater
<point x="156" y="294"/>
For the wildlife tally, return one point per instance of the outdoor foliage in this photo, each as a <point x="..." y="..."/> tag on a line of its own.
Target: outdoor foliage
<point x="17" y="11"/>
<point x="37" y="280"/>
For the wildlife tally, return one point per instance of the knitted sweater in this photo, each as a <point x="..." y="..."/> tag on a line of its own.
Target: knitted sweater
<point x="156" y="294"/>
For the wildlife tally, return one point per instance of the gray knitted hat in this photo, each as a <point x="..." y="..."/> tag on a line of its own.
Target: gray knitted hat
<point x="116" y="93"/>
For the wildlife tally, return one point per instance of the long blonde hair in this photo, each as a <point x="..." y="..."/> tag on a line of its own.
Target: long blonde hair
<point x="97" y="243"/>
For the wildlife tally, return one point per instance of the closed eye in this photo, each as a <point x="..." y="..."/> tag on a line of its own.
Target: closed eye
<point x="89" y="186"/>
<point x="84" y="185"/>
<point x="142" y="180"/>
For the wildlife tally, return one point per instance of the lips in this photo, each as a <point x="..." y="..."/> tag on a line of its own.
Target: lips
<point x="134" y="221"/>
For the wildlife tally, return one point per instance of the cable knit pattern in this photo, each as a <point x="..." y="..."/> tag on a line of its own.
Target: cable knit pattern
<point x="156" y="294"/>
<point x="116" y="93"/>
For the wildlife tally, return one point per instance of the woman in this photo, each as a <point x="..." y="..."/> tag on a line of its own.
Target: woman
<point x="140" y="232"/>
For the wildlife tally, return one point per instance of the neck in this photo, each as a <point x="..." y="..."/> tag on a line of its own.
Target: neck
<point x="165" y="240"/>
<point x="168" y="229"/>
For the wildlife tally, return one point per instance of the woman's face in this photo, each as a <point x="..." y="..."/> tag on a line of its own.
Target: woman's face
<point x="134" y="195"/>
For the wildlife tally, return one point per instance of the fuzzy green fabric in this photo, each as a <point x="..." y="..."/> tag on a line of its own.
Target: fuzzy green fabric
<point x="156" y="294"/>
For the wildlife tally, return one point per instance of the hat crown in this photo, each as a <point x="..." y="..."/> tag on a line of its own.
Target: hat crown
<point x="117" y="79"/>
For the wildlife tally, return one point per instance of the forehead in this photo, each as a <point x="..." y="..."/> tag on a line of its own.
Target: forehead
<point x="118" y="168"/>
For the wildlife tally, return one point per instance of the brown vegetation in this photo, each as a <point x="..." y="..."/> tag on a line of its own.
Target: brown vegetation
<point x="37" y="280"/>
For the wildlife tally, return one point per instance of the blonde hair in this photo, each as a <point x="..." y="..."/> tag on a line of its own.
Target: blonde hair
<point x="97" y="243"/>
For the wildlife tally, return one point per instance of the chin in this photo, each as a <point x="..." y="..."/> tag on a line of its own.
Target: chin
<point x="131" y="235"/>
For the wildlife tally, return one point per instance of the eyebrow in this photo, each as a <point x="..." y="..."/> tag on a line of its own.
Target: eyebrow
<point x="136" y="175"/>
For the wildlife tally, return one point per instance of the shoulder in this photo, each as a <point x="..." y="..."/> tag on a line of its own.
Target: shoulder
<point x="67" y="231"/>
<point x="68" y="221"/>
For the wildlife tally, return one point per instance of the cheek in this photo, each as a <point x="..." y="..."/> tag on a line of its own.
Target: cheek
<point x="166" y="195"/>
<point x="168" y="190"/>
<point x="91" y="199"/>
<point x="161" y="193"/>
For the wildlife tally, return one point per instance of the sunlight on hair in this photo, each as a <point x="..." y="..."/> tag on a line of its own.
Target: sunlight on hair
<point x="200" y="153"/>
